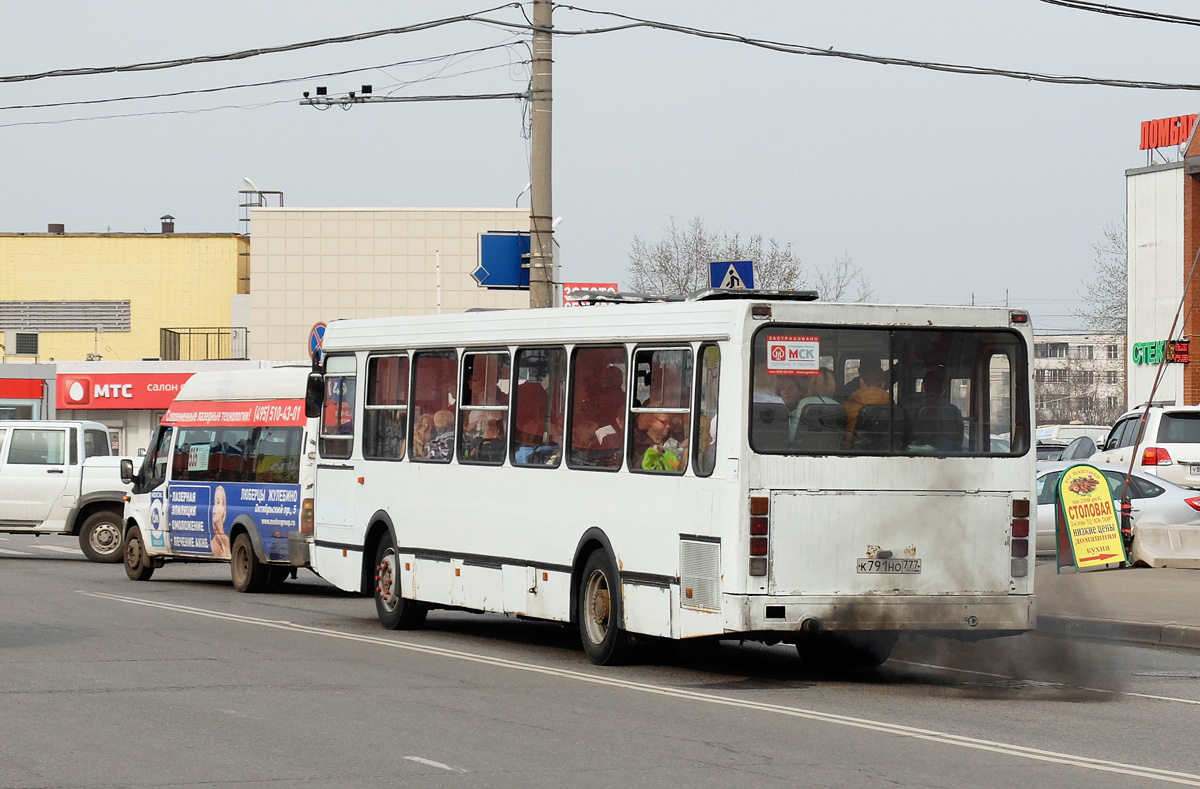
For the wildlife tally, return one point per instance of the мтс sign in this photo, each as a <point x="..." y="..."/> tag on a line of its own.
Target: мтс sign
<point x="793" y="354"/>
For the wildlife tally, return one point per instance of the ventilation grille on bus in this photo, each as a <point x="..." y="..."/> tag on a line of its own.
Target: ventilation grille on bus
<point x="700" y="574"/>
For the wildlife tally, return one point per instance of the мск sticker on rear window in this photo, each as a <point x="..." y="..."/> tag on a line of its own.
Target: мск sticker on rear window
<point x="793" y="354"/>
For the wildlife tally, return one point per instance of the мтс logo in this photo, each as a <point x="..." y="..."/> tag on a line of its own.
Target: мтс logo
<point x="77" y="391"/>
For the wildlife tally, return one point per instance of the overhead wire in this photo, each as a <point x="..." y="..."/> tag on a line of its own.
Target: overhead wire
<point x="267" y="83"/>
<point x="802" y="49"/>
<point x="1128" y="13"/>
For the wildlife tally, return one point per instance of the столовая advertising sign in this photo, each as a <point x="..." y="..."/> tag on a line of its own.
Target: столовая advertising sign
<point x="1087" y="519"/>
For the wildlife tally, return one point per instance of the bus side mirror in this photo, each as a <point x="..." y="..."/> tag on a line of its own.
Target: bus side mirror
<point x="127" y="470"/>
<point x="314" y="395"/>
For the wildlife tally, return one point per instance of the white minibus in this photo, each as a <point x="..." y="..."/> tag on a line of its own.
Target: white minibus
<point x="229" y="477"/>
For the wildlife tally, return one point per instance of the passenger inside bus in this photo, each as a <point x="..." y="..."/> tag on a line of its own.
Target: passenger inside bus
<point x="422" y="435"/>
<point x="662" y="452"/>
<point x="870" y="392"/>
<point x="441" y="446"/>
<point x="598" y="411"/>
<point x="930" y="418"/>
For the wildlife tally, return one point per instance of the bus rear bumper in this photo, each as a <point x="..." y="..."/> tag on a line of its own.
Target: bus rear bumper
<point x="961" y="615"/>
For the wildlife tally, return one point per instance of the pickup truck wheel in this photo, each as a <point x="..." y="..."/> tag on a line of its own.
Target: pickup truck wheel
<point x="138" y="566"/>
<point x="249" y="574"/>
<point x="100" y="537"/>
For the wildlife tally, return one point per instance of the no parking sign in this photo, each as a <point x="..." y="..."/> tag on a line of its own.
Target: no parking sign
<point x="316" y="338"/>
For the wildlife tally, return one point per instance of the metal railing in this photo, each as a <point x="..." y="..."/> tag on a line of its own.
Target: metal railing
<point x="205" y="342"/>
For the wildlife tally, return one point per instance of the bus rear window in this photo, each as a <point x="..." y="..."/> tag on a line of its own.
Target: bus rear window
<point x="878" y="391"/>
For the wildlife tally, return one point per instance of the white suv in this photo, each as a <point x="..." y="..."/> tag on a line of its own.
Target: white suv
<point x="1169" y="445"/>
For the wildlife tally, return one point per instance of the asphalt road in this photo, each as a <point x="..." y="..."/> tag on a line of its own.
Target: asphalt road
<point x="181" y="681"/>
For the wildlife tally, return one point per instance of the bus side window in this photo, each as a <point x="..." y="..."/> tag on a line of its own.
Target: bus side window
<point x="337" y="415"/>
<point x="706" y="410"/>
<point x="538" y="407"/>
<point x="435" y="382"/>
<point x="661" y="415"/>
<point x="385" y="414"/>
<point x="276" y="456"/>
<point x="483" y="408"/>
<point x="156" y="461"/>
<point x="597" y="408"/>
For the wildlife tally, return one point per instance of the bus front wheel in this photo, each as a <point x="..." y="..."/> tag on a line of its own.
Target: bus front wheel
<point x="395" y="612"/>
<point x="138" y="566"/>
<point x="604" y="640"/>
<point x="248" y="573"/>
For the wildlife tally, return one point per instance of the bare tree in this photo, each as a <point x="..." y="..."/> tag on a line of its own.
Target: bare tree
<point x="678" y="264"/>
<point x="843" y="281"/>
<point x="1105" y="302"/>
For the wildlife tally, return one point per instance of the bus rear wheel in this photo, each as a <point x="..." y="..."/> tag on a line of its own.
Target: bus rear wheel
<point x="835" y="651"/>
<point x="604" y="641"/>
<point x="138" y="566"/>
<point x="395" y="612"/>
<point x="248" y="573"/>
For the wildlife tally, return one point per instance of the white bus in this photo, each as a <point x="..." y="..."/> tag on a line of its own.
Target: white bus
<point x="229" y="477"/>
<point x="653" y="470"/>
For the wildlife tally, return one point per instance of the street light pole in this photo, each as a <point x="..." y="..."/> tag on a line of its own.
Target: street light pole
<point x="541" y="233"/>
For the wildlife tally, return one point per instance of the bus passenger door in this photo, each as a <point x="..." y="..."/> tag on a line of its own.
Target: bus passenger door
<point x="337" y="544"/>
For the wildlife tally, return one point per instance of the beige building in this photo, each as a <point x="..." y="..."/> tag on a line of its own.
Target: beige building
<point x="310" y="265"/>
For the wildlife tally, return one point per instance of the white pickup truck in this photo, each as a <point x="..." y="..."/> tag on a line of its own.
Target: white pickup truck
<point x="62" y="478"/>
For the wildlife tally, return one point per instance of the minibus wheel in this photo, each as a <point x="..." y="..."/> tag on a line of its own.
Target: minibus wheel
<point x="138" y="566"/>
<point x="604" y="641"/>
<point x="395" y="612"/>
<point x="248" y="573"/>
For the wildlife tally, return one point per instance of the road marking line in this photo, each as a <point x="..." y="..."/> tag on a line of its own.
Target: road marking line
<point x="1049" y="684"/>
<point x="15" y="553"/>
<point x="930" y="735"/>
<point x="59" y="548"/>
<point x="431" y="763"/>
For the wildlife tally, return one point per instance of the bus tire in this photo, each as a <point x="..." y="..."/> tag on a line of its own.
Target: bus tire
<point x="604" y="641"/>
<point x="835" y="651"/>
<point x="395" y="612"/>
<point x="100" y="537"/>
<point x="248" y="573"/>
<point x="138" y="566"/>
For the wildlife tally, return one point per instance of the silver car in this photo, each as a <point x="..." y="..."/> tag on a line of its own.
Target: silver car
<point x="1154" y="499"/>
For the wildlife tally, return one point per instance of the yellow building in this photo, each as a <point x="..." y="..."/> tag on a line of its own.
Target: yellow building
<point x="80" y="296"/>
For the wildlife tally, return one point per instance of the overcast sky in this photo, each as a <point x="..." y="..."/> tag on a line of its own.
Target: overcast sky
<point x="942" y="187"/>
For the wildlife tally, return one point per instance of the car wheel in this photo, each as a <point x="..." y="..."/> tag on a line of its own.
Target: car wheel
<point x="100" y="537"/>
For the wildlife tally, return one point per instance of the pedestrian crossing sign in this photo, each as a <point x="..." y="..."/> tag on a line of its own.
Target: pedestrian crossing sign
<point x="733" y="275"/>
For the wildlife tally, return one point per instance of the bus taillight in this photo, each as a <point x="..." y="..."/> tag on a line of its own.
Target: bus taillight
<point x="1020" y="538"/>
<point x="760" y="527"/>
<point x="306" y="517"/>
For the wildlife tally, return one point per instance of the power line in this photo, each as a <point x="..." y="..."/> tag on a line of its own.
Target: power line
<point x="801" y="49"/>
<point x="1129" y="13"/>
<point x="174" y="94"/>
<point x="157" y="65"/>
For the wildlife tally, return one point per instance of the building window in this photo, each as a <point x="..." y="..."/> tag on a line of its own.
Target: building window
<point x="1050" y="350"/>
<point x="1112" y="402"/>
<point x="1086" y="377"/>
<point x="1114" y="351"/>
<point x="1081" y="352"/>
<point x="1114" y="376"/>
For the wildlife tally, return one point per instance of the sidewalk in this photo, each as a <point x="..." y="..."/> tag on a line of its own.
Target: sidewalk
<point x="1141" y="604"/>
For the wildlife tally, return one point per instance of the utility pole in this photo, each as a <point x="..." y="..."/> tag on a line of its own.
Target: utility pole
<point x="541" y="234"/>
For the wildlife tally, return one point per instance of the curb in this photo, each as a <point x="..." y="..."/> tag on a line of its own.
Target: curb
<point x="1163" y="634"/>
